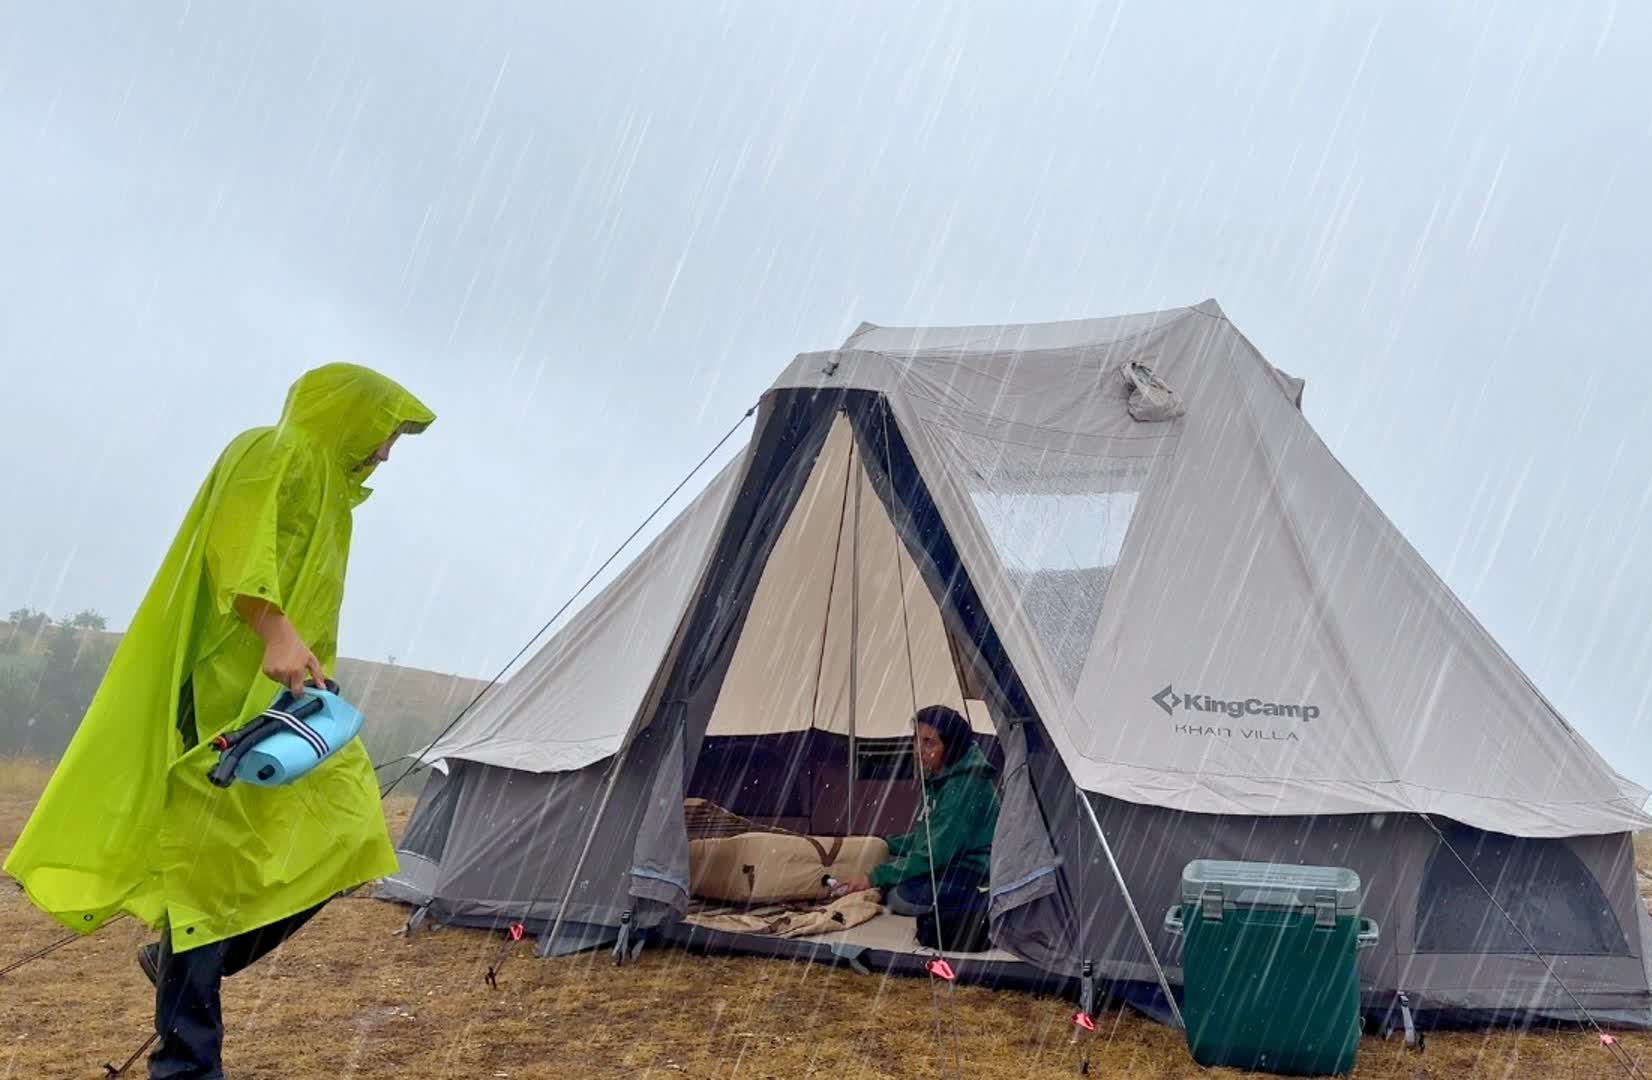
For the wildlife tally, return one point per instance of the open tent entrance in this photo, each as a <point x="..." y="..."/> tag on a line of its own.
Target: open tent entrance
<point x="842" y="638"/>
<point x="811" y="729"/>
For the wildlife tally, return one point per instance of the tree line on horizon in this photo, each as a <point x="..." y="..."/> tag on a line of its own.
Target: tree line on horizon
<point x="50" y="669"/>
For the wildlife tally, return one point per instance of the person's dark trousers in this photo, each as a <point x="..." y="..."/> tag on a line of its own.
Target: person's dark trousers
<point x="915" y="896"/>
<point x="189" y="1016"/>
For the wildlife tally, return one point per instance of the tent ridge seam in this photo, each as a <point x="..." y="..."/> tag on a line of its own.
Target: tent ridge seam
<point x="961" y="349"/>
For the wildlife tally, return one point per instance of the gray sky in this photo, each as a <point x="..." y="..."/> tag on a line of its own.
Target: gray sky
<point x="590" y="239"/>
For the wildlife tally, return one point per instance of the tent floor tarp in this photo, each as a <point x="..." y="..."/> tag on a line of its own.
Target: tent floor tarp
<point x="885" y="945"/>
<point x="889" y="933"/>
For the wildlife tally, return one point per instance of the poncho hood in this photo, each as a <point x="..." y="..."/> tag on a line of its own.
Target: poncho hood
<point x="351" y="410"/>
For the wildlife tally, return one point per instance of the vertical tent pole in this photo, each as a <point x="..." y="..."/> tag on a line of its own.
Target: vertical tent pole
<point x="854" y="636"/>
<point x="1135" y="916"/>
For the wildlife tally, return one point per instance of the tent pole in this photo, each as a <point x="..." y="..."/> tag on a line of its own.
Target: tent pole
<point x="854" y="638"/>
<point x="1135" y="916"/>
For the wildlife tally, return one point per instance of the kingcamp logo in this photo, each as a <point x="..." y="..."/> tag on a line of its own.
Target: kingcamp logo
<point x="1237" y="708"/>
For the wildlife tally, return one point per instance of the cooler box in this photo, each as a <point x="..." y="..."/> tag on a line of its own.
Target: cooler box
<point x="1270" y="965"/>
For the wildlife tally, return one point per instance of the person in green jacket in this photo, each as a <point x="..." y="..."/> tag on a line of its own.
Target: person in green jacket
<point x="245" y="603"/>
<point x="949" y="851"/>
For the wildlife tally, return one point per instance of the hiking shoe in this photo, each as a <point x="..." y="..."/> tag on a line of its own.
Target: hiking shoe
<point x="149" y="959"/>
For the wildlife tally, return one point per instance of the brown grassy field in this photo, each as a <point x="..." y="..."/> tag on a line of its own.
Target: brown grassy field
<point x="349" y="997"/>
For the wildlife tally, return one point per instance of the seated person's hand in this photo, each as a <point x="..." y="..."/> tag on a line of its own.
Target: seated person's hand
<point x="852" y="883"/>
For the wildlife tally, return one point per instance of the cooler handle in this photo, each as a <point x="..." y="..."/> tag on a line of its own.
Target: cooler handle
<point x="1367" y="935"/>
<point x="1173" y="920"/>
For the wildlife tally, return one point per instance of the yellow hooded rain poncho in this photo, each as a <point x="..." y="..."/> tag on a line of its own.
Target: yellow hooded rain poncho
<point x="129" y="821"/>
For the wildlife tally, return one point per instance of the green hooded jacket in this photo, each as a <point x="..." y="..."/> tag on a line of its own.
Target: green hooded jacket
<point x="961" y="803"/>
<point x="129" y="822"/>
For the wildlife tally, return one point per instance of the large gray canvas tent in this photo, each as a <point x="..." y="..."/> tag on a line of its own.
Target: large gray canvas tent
<point x="1180" y="628"/>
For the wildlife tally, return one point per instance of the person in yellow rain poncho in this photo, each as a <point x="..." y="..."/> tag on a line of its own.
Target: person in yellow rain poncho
<point x="245" y="603"/>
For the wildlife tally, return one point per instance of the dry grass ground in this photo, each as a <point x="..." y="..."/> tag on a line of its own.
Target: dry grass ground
<point x="349" y="997"/>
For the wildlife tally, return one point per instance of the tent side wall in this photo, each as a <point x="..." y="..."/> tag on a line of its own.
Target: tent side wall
<point x="1408" y="877"/>
<point x="512" y="839"/>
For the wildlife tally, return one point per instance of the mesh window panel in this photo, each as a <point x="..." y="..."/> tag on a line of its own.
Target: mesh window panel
<point x="1541" y="883"/>
<point x="1058" y="521"/>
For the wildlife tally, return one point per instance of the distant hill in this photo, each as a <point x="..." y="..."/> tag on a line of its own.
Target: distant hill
<point x="48" y="674"/>
<point x="404" y="707"/>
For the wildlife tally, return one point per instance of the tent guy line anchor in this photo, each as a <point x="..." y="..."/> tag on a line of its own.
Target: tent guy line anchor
<point x="1130" y="904"/>
<point x="110" y="1070"/>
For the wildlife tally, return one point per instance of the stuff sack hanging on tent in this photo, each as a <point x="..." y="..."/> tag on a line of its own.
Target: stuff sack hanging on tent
<point x="287" y="740"/>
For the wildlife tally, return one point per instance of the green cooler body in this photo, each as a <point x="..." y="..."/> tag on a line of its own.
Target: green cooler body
<point x="1270" y="965"/>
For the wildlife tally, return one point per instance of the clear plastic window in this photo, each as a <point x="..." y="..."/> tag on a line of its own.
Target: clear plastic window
<point x="1058" y="521"/>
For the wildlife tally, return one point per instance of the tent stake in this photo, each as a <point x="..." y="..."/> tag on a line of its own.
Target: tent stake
<point x="1129" y="903"/>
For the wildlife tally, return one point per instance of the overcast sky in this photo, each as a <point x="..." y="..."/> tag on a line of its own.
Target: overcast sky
<point x="590" y="239"/>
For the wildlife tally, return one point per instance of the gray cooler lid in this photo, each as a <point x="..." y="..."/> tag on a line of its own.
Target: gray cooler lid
<point x="1270" y="885"/>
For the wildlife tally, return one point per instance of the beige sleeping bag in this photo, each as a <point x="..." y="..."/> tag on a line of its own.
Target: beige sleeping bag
<point x="764" y="867"/>
<point x="844" y="913"/>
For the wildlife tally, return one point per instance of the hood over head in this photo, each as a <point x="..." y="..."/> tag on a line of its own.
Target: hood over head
<point x="351" y="410"/>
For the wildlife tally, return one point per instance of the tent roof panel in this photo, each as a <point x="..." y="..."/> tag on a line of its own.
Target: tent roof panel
<point x="1232" y="561"/>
